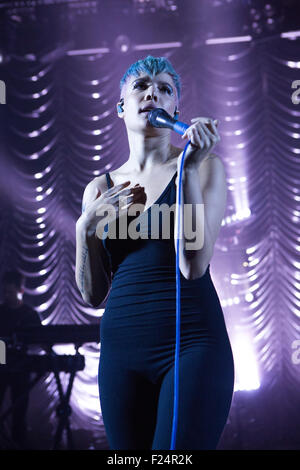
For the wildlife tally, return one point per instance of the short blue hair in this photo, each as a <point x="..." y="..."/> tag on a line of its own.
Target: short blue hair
<point x="152" y="66"/>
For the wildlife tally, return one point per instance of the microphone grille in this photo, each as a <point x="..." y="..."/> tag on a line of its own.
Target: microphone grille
<point x="159" y="117"/>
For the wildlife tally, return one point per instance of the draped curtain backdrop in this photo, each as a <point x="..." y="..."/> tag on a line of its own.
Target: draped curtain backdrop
<point x="60" y="130"/>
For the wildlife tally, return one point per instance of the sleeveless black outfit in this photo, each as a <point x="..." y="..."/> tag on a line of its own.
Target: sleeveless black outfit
<point x="138" y="336"/>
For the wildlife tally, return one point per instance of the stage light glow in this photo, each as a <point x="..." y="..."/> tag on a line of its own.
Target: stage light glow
<point x="41" y="210"/>
<point x="249" y="297"/>
<point x="41" y="289"/>
<point x="162" y="45"/>
<point x="246" y="369"/>
<point x="122" y="44"/>
<point x="228" y="40"/>
<point x="254" y="262"/>
<point x="100" y="50"/>
<point x="290" y="34"/>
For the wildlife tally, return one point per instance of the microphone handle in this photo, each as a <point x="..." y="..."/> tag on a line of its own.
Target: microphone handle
<point x="180" y="127"/>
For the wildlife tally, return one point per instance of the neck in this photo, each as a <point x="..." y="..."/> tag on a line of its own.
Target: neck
<point x="148" y="151"/>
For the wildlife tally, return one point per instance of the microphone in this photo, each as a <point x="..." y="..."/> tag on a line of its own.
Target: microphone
<point x="158" y="117"/>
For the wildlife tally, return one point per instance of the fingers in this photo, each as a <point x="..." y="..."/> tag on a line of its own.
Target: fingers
<point x="138" y="196"/>
<point x="204" y="119"/>
<point x="197" y="136"/>
<point x="213" y="135"/>
<point x="92" y="193"/>
<point x="203" y="133"/>
<point x="111" y="197"/>
<point x="127" y="194"/>
<point x="118" y="187"/>
<point x="210" y="124"/>
<point x="123" y="189"/>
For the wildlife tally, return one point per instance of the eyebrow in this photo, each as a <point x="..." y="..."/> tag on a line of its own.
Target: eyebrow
<point x="146" y="79"/>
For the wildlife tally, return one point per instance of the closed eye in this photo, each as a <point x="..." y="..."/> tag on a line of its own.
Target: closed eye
<point x="167" y="89"/>
<point x="140" y="85"/>
<point x="143" y="85"/>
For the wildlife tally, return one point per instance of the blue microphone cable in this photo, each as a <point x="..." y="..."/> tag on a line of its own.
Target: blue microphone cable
<point x="181" y="129"/>
<point x="160" y="118"/>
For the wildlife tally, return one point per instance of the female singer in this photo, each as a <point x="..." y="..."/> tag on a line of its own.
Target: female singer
<point x="137" y="278"/>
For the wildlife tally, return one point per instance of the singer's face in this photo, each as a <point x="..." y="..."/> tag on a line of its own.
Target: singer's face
<point x="139" y="92"/>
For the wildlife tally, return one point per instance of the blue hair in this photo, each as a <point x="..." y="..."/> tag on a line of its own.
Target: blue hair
<point x="152" y="66"/>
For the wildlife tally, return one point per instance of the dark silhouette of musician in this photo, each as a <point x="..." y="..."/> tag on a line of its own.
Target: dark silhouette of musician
<point x="14" y="314"/>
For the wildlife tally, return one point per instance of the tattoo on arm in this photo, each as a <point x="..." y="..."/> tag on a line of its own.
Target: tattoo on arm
<point x="82" y="267"/>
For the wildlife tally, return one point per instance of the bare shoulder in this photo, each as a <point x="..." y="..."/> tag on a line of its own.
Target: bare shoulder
<point x="94" y="189"/>
<point x="100" y="182"/>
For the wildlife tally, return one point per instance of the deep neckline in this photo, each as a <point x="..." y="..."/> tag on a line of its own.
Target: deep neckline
<point x="160" y="197"/>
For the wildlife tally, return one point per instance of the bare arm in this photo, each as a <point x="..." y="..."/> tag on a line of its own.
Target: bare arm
<point x="92" y="265"/>
<point x="213" y="199"/>
<point x="92" y="273"/>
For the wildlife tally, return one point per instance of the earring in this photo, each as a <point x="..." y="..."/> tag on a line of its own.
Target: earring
<point x="120" y="106"/>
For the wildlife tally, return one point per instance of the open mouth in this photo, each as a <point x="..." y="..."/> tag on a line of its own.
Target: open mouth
<point x="146" y="110"/>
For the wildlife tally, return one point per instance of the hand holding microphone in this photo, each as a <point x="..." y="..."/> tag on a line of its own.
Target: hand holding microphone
<point x="203" y="134"/>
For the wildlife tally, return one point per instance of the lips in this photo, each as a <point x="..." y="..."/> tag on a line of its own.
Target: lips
<point x="147" y="109"/>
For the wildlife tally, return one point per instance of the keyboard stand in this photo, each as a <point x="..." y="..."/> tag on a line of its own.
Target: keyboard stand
<point x="63" y="411"/>
<point x="71" y="364"/>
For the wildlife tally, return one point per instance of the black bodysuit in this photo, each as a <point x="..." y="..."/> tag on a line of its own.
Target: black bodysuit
<point x="138" y="336"/>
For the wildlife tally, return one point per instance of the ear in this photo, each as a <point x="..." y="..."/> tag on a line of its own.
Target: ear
<point x="120" y="109"/>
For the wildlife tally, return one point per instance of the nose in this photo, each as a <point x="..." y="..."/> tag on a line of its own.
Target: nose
<point x="151" y="94"/>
